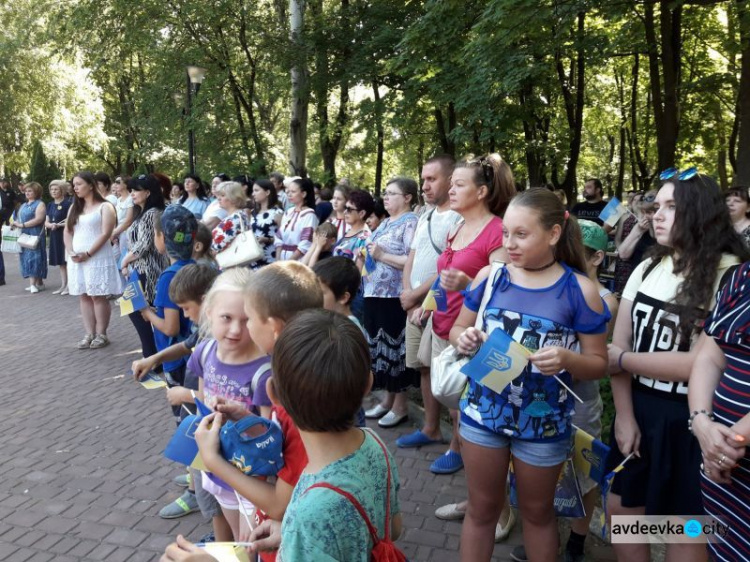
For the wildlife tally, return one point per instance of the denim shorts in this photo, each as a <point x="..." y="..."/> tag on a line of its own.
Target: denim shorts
<point x="534" y="453"/>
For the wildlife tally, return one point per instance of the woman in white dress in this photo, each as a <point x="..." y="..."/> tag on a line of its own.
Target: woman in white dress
<point x="92" y="269"/>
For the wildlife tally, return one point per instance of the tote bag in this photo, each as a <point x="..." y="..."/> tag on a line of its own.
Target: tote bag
<point x="10" y="240"/>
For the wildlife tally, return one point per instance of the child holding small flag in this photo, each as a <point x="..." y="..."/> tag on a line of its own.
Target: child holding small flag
<point x="546" y="306"/>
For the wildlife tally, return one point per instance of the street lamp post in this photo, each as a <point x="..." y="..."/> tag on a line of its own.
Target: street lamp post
<point x="195" y="76"/>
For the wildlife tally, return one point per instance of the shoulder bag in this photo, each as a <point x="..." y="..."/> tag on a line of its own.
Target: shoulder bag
<point x="447" y="382"/>
<point x="243" y="250"/>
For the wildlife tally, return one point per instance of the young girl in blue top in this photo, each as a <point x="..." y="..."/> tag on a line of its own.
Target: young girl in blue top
<point x="543" y="301"/>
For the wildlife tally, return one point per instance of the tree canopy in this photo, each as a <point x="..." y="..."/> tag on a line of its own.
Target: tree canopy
<point x="562" y="89"/>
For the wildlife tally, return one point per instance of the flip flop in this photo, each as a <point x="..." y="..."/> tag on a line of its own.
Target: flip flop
<point x="448" y="463"/>
<point x="416" y="439"/>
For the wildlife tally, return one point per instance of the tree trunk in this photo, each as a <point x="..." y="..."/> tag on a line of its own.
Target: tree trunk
<point x="574" y="103"/>
<point x="664" y="55"/>
<point x="300" y="92"/>
<point x="742" y="177"/>
<point x="447" y="145"/>
<point x="381" y="138"/>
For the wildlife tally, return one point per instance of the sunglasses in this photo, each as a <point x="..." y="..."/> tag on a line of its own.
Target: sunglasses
<point x="671" y="173"/>
<point x="349" y="209"/>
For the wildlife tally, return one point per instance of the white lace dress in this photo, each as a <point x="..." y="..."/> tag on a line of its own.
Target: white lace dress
<point x="98" y="275"/>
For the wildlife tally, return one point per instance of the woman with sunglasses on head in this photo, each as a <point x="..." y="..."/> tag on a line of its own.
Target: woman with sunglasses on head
<point x="739" y="211"/>
<point x="481" y="189"/>
<point x="143" y="258"/>
<point x="666" y="300"/>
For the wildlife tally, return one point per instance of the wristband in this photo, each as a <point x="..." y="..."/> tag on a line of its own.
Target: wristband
<point x="619" y="361"/>
<point x="87" y="254"/>
<point x="192" y="393"/>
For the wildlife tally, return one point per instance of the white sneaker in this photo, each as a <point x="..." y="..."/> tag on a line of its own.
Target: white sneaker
<point x="33" y="289"/>
<point x="27" y="288"/>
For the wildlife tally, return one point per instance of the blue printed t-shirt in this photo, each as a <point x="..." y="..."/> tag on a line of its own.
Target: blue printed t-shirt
<point x="533" y="407"/>
<point x="322" y="525"/>
<point x="162" y="302"/>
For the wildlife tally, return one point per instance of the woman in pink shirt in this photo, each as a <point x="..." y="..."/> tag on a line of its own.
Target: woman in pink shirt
<point x="480" y="192"/>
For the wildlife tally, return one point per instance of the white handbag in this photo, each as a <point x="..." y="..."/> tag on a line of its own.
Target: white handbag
<point x="28" y="241"/>
<point x="244" y="249"/>
<point x="10" y="240"/>
<point x="447" y="382"/>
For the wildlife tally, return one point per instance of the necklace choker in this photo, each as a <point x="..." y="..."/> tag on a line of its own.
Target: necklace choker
<point x="550" y="264"/>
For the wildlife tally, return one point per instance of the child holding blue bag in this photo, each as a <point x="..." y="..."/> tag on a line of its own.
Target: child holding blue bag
<point x="232" y="372"/>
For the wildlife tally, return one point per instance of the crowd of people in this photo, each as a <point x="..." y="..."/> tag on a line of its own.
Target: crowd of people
<point x="332" y="305"/>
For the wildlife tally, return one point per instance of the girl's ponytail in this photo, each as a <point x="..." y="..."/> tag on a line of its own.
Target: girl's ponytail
<point x="551" y="211"/>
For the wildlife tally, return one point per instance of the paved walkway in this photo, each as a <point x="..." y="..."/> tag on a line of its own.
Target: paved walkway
<point x="82" y="476"/>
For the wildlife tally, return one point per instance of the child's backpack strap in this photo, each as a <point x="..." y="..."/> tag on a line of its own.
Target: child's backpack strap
<point x="204" y="354"/>
<point x="383" y="549"/>
<point x="262" y="370"/>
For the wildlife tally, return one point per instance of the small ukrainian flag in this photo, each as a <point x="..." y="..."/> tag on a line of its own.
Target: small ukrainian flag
<point x="369" y="265"/>
<point x="436" y="298"/>
<point x="132" y="298"/>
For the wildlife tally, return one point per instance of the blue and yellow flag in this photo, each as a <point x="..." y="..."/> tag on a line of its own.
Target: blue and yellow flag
<point x="152" y="381"/>
<point x="369" y="265"/>
<point x="607" y="482"/>
<point x="436" y="298"/>
<point x="613" y="212"/>
<point x="183" y="448"/>
<point x="590" y="456"/>
<point x="132" y="298"/>
<point x="500" y="360"/>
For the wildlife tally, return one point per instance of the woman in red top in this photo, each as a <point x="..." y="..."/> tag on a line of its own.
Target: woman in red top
<point x="480" y="192"/>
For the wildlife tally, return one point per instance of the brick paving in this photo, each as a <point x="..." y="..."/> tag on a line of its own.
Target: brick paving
<point x="82" y="476"/>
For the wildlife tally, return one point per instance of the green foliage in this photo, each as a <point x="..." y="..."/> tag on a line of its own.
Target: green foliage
<point x="97" y="83"/>
<point x="42" y="170"/>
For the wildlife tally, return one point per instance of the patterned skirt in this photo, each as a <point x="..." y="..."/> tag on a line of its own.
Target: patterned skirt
<point x="385" y="324"/>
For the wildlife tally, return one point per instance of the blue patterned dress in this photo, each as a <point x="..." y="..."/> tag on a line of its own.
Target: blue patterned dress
<point x="33" y="262"/>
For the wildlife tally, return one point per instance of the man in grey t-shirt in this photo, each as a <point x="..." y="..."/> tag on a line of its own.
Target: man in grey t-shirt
<point x="420" y="273"/>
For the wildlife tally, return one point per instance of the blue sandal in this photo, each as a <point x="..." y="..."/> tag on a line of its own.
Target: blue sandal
<point x="448" y="463"/>
<point x="416" y="439"/>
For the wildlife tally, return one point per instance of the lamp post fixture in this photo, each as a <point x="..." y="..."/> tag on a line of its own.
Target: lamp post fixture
<point x="195" y="76"/>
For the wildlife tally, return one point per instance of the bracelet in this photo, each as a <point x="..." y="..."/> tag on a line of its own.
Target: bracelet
<point x="697" y="413"/>
<point x="87" y="254"/>
<point x="192" y="393"/>
<point x="619" y="361"/>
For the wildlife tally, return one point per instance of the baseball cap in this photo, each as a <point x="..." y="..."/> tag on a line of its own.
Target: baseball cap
<point x="594" y="236"/>
<point x="179" y="226"/>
